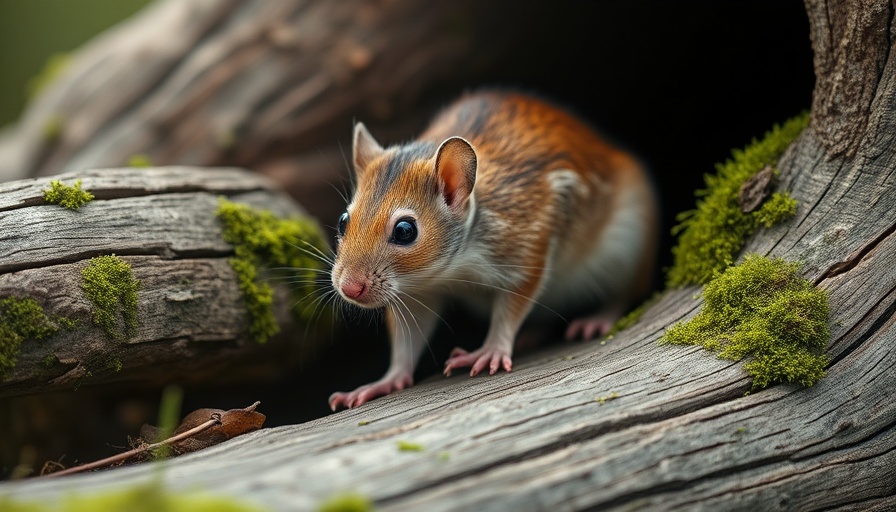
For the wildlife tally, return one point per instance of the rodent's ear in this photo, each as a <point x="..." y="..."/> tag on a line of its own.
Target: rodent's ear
<point x="364" y="148"/>
<point x="456" y="167"/>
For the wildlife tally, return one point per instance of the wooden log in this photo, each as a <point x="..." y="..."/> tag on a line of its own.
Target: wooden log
<point x="246" y="81"/>
<point x="632" y="424"/>
<point x="680" y="432"/>
<point x="162" y="222"/>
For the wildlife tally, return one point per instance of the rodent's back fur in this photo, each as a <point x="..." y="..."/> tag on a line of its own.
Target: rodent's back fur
<point x="514" y="202"/>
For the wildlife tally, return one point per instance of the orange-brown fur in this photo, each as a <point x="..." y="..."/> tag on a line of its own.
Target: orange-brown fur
<point x="552" y="206"/>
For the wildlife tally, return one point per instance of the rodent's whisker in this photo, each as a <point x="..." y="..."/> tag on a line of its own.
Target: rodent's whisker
<point x="423" y="335"/>
<point x="398" y="300"/>
<point x="341" y="193"/>
<point x="399" y="317"/>
<point x="316" y="254"/>
<point x="301" y="269"/>
<point x="427" y="308"/>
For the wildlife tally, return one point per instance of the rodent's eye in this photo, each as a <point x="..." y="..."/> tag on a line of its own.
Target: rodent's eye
<point x="405" y="231"/>
<point x="340" y="226"/>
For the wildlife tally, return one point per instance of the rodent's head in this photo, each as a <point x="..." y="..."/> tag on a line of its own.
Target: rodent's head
<point x="406" y="220"/>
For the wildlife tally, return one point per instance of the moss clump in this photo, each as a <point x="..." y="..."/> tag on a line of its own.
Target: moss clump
<point x="714" y="233"/>
<point x="110" y="285"/>
<point x="347" y="503"/>
<point x="263" y="242"/>
<point x="69" y="196"/>
<point x="114" y="364"/>
<point x="764" y="311"/>
<point x="20" y="320"/>
<point x="146" y="498"/>
<point x="139" y="160"/>
<point x="50" y="360"/>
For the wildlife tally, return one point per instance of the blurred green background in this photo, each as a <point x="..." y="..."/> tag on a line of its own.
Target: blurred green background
<point x="32" y="31"/>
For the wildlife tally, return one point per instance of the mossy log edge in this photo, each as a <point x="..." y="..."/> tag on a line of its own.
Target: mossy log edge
<point x="191" y="319"/>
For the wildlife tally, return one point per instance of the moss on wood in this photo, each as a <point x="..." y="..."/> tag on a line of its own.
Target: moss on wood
<point x="763" y="311"/>
<point x="265" y="243"/>
<point x="68" y="196"/>
<point x="21" y="319"/>
<point x="713" y="234"/>
<point x="109" y="283"/>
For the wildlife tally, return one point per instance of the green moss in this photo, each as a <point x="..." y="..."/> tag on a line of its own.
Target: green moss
<point x="763" y="311"/>
<point x="606" y="398"/>
<point x="20" y="320"/>
<point x="146" y="498"/>
<point x="777" y="208"/>
<point x="114" y="364"/>
<point x="407" y="446"/>
<point x="110" y="285"/>
<point x="349" y="502"/>
<point x="50" y="360"/>
<point x="69" y="324"/>
<point x="263" y="244"/>
<point x="52" y="70"/>
<point x="139" y="160"/>
<point x="633" y="316"/>
<point x="52" y="128"/>
<point x="714" y="233"/>
<point x="69" y="196"/>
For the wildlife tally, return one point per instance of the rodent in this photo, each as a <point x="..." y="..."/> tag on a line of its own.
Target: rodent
<point x="506" y="201"/>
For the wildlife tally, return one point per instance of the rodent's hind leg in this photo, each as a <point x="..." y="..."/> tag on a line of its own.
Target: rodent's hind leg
<point x="389" y="384"/>
<point x="595" y="325"/>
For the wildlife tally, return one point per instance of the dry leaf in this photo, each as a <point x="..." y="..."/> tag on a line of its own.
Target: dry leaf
<point x="234" y="422"/>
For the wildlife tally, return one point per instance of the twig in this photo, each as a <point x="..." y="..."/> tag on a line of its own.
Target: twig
<point x="108" y="461"/>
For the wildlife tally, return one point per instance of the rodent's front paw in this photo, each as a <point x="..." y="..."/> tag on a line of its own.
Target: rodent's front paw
<point x="493" y="358"/>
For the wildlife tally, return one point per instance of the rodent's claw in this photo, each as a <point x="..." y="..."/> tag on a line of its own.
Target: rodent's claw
<point x="494" y="359"/>
<point x="364" y="394"/>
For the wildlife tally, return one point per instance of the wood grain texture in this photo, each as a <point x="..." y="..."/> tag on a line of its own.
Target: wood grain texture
<point x="162" y="222"/>
<point x="249" y="81"/>
<point x="681" y="433"/>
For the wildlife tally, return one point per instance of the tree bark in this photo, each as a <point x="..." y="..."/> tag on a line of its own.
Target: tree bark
<point x="193" y="325"/>
<point x="268" y="86"/>
<point x="632" y="424"/>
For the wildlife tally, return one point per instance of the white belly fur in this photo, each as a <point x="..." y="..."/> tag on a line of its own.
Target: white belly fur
<point x="609" y="272"/>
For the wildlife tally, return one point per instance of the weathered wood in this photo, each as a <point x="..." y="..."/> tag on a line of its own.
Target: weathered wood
<point x="162" y="222"/>
<point x="681" y="434"/>
<point x="247" y="82"/>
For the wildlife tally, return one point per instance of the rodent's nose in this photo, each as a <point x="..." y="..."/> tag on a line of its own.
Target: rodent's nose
<point x="354" y="290"/>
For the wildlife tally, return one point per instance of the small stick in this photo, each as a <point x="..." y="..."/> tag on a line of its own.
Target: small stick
<point x="215" y="420"/>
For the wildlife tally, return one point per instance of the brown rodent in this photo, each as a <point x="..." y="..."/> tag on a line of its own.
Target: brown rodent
<point x="506" y="202"/>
